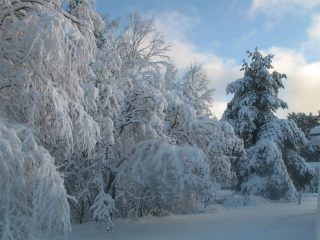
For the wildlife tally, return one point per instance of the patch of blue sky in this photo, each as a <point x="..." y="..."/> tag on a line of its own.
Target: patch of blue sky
<point x="225" y="28"/>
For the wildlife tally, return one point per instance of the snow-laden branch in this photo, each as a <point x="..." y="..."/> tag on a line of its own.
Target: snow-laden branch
<point x="17" y="6"/>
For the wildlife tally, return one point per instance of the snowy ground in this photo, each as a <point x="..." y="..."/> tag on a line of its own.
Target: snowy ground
<point x="276" y="221"/>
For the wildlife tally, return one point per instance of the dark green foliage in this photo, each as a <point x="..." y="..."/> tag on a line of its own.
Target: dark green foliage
<point x="255" y="97"/>
<point x="305" y="122"/>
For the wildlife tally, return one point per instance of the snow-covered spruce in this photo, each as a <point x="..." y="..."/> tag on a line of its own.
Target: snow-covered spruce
<point x="275" y="166"/>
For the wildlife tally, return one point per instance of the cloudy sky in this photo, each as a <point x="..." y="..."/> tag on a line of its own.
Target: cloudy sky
<point x="217" y="33"/>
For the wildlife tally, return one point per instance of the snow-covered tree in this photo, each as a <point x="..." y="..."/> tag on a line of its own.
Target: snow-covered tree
<point x="305" y="122"/>
<point x="91" y="22"/>
<point x="216" y="139"/>
<point x="159" y="176"/>
<point x="196" y="91"/>
<point x="47" y="69"/>
<point x="274" y="147"/>
<point x="33" y="200"/>
<point x="255" y="97"/>
<point x="142" y="45"/>
<point x="170" y="81"/>
<point x="140" y="92"/>
<point x="47" y="84"/>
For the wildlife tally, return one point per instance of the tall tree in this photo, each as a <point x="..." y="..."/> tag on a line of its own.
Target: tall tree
<point x="255" y="97"/>
<point x="46" y="83"/>
<point x="275" y="167"/>
<point x="44" y="60"/>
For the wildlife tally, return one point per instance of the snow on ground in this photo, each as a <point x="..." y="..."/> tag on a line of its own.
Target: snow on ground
<point x="276" y="221"/>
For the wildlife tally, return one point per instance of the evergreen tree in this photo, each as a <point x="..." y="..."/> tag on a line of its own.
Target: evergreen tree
<point x="255" y="97"/>
<point x="305" y="122"/>
<point x="274" y="167"/>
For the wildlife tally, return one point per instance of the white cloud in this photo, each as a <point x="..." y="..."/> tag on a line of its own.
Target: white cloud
<point x="314" y="30"/>
<point x="275" y="9"/>
<point x="312" y="45"/>
<point x="218" y="108"/>
<point x="174" y="25"/>
<point x="302" y="87"/>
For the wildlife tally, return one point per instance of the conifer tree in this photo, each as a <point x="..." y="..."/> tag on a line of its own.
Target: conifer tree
<point x="275" y="167"/>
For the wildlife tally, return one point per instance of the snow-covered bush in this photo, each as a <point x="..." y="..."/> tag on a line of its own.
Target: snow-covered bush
<point x="275" y="166"/>
<point x="235" y="200"/>
<point x="223" y="149"/>
<point x="103" y="209"/>
<point x="159" y="176"/>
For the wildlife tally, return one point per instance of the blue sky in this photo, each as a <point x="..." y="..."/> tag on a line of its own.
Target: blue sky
<point x="223" y="27"/>
<point x="217" y="33"/>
